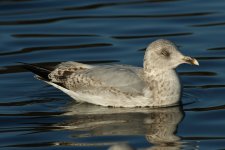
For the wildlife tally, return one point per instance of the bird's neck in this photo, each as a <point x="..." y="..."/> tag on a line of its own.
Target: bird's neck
<point x="162" y="75"/>
<point x="163" y="86"/>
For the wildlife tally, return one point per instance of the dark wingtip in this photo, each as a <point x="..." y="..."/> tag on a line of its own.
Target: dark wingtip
<point x="42" y="72"/>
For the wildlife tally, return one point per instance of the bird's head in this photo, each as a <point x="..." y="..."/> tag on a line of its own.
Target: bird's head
<point x="164" y="54"/>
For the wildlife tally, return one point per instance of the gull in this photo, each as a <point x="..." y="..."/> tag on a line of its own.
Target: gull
<point x="155" y="85"/>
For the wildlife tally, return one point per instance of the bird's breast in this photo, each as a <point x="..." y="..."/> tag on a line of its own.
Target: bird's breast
<point x="163" y="88"/>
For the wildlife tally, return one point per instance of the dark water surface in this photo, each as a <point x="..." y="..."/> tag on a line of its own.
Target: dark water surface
<point x="34" y="115"/>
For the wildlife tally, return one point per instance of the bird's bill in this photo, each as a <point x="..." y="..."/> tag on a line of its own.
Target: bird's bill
<point x="190" y="60"/>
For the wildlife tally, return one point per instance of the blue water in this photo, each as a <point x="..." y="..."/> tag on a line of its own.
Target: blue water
<point x="34" y="115"/>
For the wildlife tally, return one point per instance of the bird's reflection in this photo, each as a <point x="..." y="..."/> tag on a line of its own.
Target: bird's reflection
<point x="159" y="125"/>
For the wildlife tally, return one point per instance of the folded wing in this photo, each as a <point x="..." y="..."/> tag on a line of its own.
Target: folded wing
<point x="77" y="76"/>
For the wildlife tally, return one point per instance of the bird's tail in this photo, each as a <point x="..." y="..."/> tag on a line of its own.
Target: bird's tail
<point x="41" y="72"/>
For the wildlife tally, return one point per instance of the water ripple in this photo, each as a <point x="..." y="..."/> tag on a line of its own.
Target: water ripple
<point x="150" y="36"/>
<point x="52" y="35"/>
<point x="68" y="47"/>
<point x="210" y="24"/>
<point x="110" y="4"/>
<point x="19" y="68"/>
<point x="216" y="48"/>
<point x="221" y="107"/>
<point x="198" y="73"/>
<point x="56" y="19"/>
<point x="205" y="86"/>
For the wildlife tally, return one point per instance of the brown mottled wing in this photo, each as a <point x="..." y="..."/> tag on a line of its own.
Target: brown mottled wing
<point x="65" y="69"/>
<point x="76" y="76"/>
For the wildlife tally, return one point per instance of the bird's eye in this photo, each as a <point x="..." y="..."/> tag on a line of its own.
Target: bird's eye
<point x="165" y="53"/>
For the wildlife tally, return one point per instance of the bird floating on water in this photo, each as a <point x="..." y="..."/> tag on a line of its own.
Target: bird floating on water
<point x="155" y="85"/>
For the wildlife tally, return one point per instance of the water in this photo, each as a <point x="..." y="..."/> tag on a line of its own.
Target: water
<point x="34" y="115"/>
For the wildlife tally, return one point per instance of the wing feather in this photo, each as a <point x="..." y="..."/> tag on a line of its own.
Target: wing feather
<point x="76" y="76"/>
